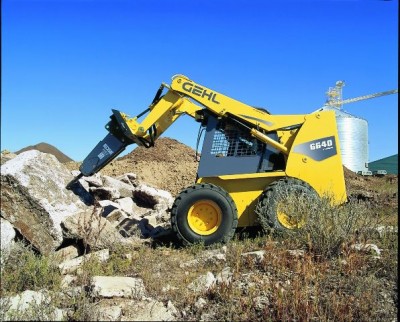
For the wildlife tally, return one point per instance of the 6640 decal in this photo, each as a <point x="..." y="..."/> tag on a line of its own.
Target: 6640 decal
<point x="319" y="149"/>
<point x="323" y="144"/>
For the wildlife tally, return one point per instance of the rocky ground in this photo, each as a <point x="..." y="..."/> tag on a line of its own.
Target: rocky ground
<point x="112" y="255"/>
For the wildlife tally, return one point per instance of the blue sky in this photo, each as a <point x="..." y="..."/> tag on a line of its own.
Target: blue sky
<point x="66" y="64"/>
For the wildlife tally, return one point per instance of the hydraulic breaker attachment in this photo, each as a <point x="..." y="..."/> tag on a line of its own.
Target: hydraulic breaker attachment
<point x="103" y="153"/>
<point x="73" y="181"/>
<point x="107" y="149"/>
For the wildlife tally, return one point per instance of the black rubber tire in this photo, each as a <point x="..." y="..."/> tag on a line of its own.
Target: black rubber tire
<point x="204" y="191"/>
<point x="274" y="194"/>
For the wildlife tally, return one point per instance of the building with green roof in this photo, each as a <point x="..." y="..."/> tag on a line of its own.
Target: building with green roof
<point x="390" y="164"/>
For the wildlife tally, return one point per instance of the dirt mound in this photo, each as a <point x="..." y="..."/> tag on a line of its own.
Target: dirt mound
<point x="47" y="148"/>
<point x="169" y="165"/>
<point x="349" y="175"/>
<point x="164" y="150"/>
<point x="381" y="191"/>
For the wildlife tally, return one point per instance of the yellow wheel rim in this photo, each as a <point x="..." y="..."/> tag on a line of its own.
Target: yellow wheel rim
<point x="204" y="217"/>
<point x="290" y="221"/>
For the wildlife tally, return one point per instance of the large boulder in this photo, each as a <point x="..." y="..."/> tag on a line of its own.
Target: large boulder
<point x="95" y="231"/>
<point x="7" y="239"/>
<point x="34" y="198"/>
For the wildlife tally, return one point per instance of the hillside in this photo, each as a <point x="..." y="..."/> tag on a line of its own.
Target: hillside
<point x="47" y="148"/>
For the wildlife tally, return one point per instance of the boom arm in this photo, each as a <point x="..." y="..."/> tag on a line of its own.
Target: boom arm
<point x="224" y="106"/>
<point x="307" y="142"/>
<point x="180" y="99"/>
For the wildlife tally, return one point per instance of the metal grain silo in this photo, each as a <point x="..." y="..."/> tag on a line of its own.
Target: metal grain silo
<point x="353" y="138"/>
<point x="352" y="130"/>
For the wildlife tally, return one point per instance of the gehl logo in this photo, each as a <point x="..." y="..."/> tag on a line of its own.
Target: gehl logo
<point x="200" y="91"/>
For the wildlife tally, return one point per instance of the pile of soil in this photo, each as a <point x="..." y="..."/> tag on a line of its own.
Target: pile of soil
<point x="47" y="148"/>
<point x="169" y="165"/>
<point x="378" y="190"/>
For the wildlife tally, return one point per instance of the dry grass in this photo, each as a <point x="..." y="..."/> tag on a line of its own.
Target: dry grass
<point x="326" y="280"/>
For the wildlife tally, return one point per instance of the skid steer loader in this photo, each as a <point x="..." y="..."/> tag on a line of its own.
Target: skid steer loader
<point x="248" y="157"/>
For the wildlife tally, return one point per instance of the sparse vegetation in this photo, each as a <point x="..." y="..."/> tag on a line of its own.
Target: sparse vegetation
<point x="25" y="270"/>
<point x="326" y="280"/>
<point x="329" y="230"/>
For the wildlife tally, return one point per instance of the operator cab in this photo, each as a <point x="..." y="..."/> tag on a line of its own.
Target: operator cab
<point x="229" y="149"/>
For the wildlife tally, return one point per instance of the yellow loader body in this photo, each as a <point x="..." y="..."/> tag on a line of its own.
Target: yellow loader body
<point x="248" y="156"/>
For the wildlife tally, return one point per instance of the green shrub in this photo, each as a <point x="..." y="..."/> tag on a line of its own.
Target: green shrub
<point x="323" y="228"/>
<point x="330" y="228"/>
<point x="25" y="270"/>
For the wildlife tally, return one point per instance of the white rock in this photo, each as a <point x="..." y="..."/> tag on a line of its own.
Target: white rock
<point x="110" y="313"/>
<point x="258" y="255"/>
<point x="153" y="196"/>
<point x="67" y="253"/>
<point x="152" y="220"/>
<point x="225" y="277"/>
<point x="7" y="236"/>
<point x="202" y="283"/>
<point x="371" y="248"/>
<point x="147" y="310"/>
<point x="171" y="308"/>
<point x="118" y="286"/>
<point x="126" y="204"/>
<point x="93" y="229"/>
<point x="129" y="227"/>
<point x="116" y="217"/>
<point x="139" y="212"/>
<point x="108" y="206"/>
<point x="72" y="265"/>
<point x="105" y="193"/>
<point x="35" y="200"/>
<point x="95" y="180"/>
<point x="24" y="301"/>
<point x="83" y="182"/>
<point x="67" y="280"/>
<point x="124" y="189"/>
<point x="200" y="303"/>
<point x="74" y="291"/>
